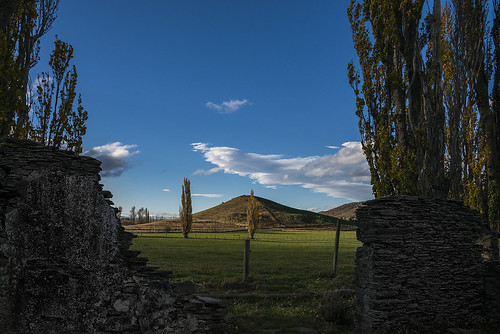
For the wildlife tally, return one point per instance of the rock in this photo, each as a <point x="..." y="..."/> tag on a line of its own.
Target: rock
<point x="212" y="302"/>
<point x="122" y="305"/>
<point x="65" y="263"/>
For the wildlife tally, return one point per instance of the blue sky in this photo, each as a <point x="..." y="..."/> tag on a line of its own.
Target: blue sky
<point x="235" y="95"/>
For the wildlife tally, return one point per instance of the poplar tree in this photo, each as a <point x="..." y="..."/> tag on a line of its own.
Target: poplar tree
<point x="132" y="214"/>
<point x="185" y="210"/>
<point x="252" y="215"/>
<point x="22" y="24"/>
<point x="140" y="215"/>
<point x="56" y="122"/>
<point x="428" y="123"/>
<point x="51" y="118"/>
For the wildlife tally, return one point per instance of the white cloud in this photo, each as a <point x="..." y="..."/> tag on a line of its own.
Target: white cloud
<point x="344" y="174"/>
<point x="39" y="81"/>
<point x="206" y="172"/>
<point x="166" y="189"/>
<point x="332" y="147"/>
<point x="271" y="187"/>
<point x="207" y="195"/>
<point x="227" y="107"/>
<point x="214" y="106"/>
<point x="113" y="157"/>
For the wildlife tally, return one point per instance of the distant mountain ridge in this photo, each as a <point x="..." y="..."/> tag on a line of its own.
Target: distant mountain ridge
<point x="344" y="212"/>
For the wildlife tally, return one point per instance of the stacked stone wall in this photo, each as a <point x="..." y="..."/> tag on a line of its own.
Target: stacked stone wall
<point x="420" y="264"/>
<point x="65" y="263"/>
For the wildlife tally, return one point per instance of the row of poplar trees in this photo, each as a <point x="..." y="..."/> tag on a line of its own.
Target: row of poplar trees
<point x="141" y="214"/>
<point x="48" y="109"/>
<point x="428" y="98"/>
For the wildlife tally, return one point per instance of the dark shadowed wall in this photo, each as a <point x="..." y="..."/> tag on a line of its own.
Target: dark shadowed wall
<point x="65" y="263"/>
<point x="421" y="264"/>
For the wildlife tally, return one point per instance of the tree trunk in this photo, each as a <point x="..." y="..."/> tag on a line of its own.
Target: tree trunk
<point x="413" y="60"/>
<point x="433" y="182"/>
<point x="488" y="123"/>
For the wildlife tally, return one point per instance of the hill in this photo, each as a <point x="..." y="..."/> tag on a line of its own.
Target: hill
<point x="272" y="214"/>
<point x="231" y="215"/>
<point x="345" y="212"/>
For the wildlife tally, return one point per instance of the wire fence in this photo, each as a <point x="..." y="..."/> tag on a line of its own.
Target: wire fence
<point x="269" y="236"/>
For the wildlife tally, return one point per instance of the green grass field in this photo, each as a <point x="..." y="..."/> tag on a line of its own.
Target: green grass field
<point x="280" y="262"/>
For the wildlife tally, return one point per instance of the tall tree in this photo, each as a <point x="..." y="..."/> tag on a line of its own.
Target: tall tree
<point x="132" y="214"/>
<point x="480" y="67"/>
<point x="22" y="24"/>
<point x="252" y="215"/>
<point x="140" y="215"/>
<point x="185" y="211"/>
<point x="398" y="96"/>
<point x="421" y="90"/>
<point x="55" y="120"/>
<point x="495" y="105"/>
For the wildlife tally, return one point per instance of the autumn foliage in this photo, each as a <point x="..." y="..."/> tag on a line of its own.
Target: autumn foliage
<point x="252" y="215"/>
<point x="429" y="123"/>
<point x="186" y="209"/>
<point x="48" y="110"/>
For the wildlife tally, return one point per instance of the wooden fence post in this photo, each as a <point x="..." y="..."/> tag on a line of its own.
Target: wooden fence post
<point x="336" y="249"/>
<point x="246" y="259"/>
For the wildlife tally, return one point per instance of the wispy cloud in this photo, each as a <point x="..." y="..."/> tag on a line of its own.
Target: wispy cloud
<point x="332" y="147"/>
<point x="227" y="107"/>
<point x="113" y="157"/>
<point x="166" y="189"/>
<point x="207" y="195"/>
<point x="344" y="174"/>
<point x="207" y="172"/>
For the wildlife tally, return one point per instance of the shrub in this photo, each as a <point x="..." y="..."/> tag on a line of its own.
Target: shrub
<point x="336" y="308"/>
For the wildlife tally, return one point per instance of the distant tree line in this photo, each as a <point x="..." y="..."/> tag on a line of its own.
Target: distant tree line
<point x="428" y="98"/>
<point x="142" y="215"/>
<point x="48" y="111"/>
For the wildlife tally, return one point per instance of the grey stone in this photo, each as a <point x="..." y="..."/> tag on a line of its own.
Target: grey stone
<point x="122" y="305"/>
<point x="65" y="266"/>
<point x="421" y="263"/>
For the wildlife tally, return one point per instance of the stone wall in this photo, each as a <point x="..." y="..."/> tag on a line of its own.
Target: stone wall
<point x="420" y="264"/>
<point x="65" y="263"/>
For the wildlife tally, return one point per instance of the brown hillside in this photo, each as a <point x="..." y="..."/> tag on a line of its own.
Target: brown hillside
<point x="231" y="215"/>
<point x="345" y="212"/>
<point x="272" y="214"/>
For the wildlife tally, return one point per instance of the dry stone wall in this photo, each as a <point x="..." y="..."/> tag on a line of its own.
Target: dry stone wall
<point x="65" y="263"/>
<point x="420" y="264"/>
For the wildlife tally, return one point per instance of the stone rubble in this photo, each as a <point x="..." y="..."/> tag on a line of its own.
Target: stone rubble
<point x="65" y="263"/>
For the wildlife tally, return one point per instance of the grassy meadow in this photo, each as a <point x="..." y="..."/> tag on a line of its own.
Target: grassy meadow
<point x="280" y="263"/>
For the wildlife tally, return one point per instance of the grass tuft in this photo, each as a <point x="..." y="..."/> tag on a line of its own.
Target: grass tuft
<point x="337" y="308"/>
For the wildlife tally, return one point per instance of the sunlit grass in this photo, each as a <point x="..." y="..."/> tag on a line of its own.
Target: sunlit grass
<point x="280" y="262"/>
